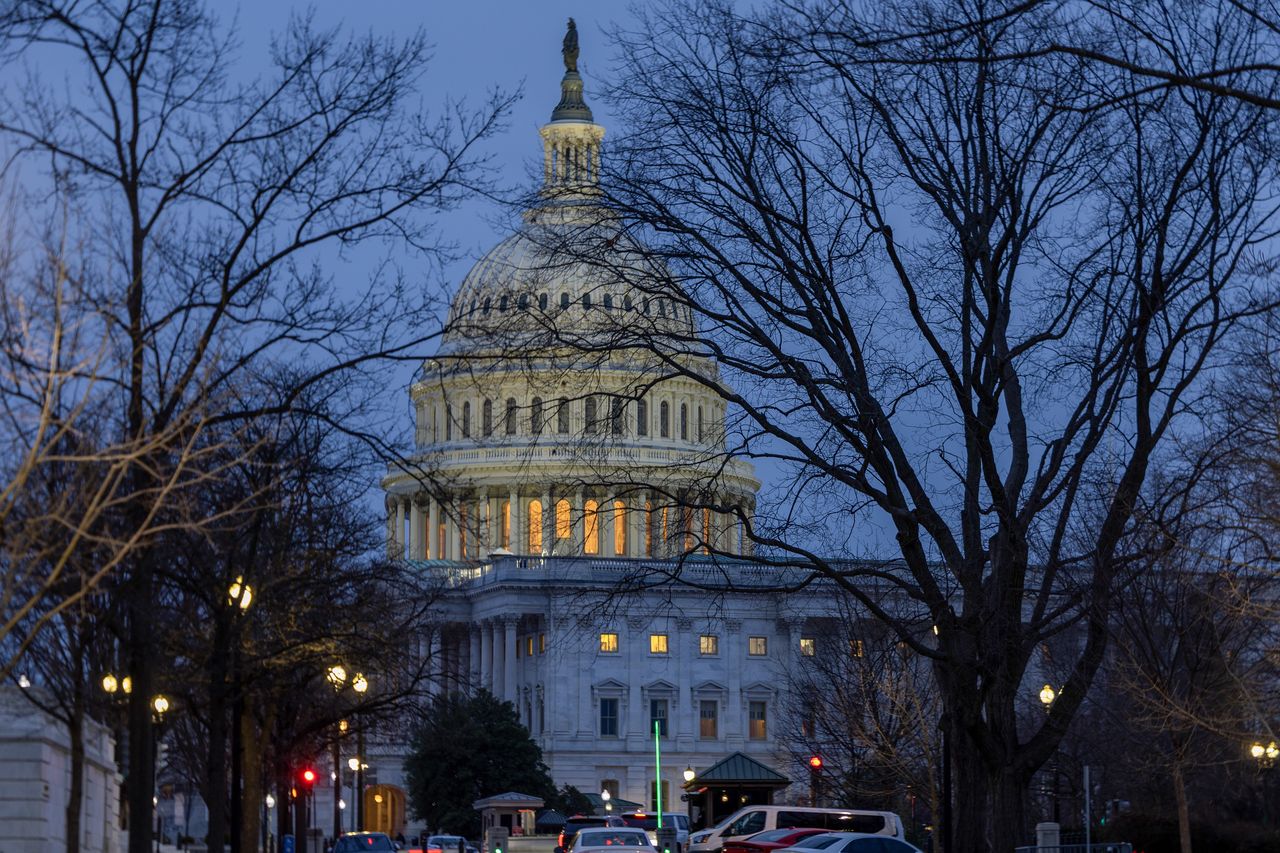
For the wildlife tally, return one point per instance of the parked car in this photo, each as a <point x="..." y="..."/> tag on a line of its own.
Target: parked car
<point x="749" y="820"/>
<point x="572" y="826"/>
<point x="770" y="839"/>
<point x="648" y="821"/>
<point x="444" y="844"/>
<point x="365" y="842"/>
<point x="853" y="842"/>
<point x="613" y="839"/>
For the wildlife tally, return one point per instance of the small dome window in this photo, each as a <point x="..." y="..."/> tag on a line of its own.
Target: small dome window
<point x="586" y="301"/>
<point x="523" y="302"/>
<point x="488" y="304"/>
<point x="542" y="301"/>
<point x="662" y="309"/>
<point x="646" y="308"/>
<point x="626" y="303"/>
<point x="608" y="302"/>
<point x="502" y="303"/>
<point x="564" y="301"/>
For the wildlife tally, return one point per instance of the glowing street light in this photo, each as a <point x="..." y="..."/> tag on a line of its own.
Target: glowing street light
<point x="359" y="684"/>
<point x="1047" y="695"/>
<point x="240" y="593"/>
<point x="337" y="675"/>
<point x="110" y="684"/>
<point x="689" y="773"/>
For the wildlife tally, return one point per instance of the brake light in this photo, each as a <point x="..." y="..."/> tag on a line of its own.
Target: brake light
<point x="560" y="840"/>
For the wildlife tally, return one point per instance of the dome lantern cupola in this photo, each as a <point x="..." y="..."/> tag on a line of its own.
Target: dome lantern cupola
<point x="571" y="141"/>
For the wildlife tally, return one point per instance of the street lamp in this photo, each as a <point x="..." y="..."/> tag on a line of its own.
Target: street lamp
<point x="240" y="594"/>
<point x="337" y="676"/>
<point x="606" y="797"/>
<point x="159" y="707"/>
<point x="689" y="774"/>
<point x="1047" y="696"/>
<point x="1265" y="755"/>
<point x="360" y="685"/>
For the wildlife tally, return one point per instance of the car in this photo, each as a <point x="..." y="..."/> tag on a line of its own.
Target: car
<point x="750" y="820"/>
<point x="358" y="842"/>
<point x="851" y="842"/>
<point x="444" y="844"/>
<point x="770" y="839"/>
<point x="648" y="821"/>
<point x="613" y="839"/>
<point x="579" y="822"/>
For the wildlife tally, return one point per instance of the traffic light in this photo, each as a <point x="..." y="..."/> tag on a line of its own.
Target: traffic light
<point x="815" y="779"/>
<point x="815" y="762"/>
<point x="308" y="779"/>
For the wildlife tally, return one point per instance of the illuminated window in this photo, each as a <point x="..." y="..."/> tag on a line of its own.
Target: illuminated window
<point x="856" y="649"/>
<point x="757" y="646"/>
<point x="666" y="534"/>
<point x="708" y="644"/>
<point x="535" y="527"/>
<point x="564" y="525"/>
<point x="807" y="646"/>
<point x="648" y="528"/>
<point x="528" y="646"/>
<point x="619" y="528"/>
<point x="759" y="721"/>
<point x="686" y="526"/>
<point x="591" y="527"/>
<point x="609" y="643"/>
<point x="442" y="541"/>
<point x="506" y="524"/>
<point x="706" y="530"/>
<point x="542" y="644"/>
<point x="462" y="529"/>
<point x="708" y="718"/>
<point x="657" y="644"/>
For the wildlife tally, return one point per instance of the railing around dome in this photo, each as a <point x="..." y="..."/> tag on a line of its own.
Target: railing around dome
<point x="696" y="570"/>
<point x="444" y="455"/>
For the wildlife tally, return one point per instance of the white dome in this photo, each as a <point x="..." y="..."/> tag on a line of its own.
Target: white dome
<point x="568" y="272"/>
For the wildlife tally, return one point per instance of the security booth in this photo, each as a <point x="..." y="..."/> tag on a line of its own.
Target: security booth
<point x="726" y="786"/>
<point x="512" y="811"/>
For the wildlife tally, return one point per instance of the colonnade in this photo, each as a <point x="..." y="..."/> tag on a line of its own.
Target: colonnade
<point x="581" y="522"/>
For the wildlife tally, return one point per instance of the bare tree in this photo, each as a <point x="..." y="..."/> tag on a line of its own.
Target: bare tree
<point x="956" y="306"/>
<point x="204" y="207"/>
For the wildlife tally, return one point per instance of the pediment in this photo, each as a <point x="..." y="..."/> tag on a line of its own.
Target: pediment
<point x="660" y="686"/>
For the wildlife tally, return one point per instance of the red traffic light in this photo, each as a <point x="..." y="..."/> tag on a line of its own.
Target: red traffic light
<point x="309" y="776"/>
<point x="815" y="762"/>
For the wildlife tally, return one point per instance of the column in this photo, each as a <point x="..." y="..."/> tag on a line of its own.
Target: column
<point x="399" y="548"/>
<point x="454" y="551"/>
<point x="415" y="529"/>
<point x="435" y="681"/>
<point x="604" y="524"/>
<point x="684" y="709"/>
<point x="473" y="657"/>
<point x="509" y="659"/>
<point x="431" y="547"/>
<point x="638" y="733"/>
<point x="548" y="522"/>
<point x="498" y="674"/>
<point x="486" y="657"/>
<point x="734" y="730"/>
<point x="636" y="546"/>
<point x="484" y="524"/>
<point x="390" y="504"/>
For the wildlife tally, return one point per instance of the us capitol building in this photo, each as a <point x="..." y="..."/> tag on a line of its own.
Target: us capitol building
<point x="556" y="461"/>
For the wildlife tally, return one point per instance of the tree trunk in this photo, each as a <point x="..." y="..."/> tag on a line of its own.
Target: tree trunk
<point x="1184" y="808"/>
<point x="216" y="772"/>
<point x="250" y="829"/>
<point x="75" y="796"/>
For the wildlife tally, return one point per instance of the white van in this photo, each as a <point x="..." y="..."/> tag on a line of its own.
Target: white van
<point x="753" y="819"/>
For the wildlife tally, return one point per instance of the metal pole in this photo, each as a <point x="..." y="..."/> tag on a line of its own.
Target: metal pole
<point x="337" y="785"/>
<point x="946" y="785"/>
<point x="360" y="773"/>
<point x="1088" y="819"/>
<point x="657" y="768"/>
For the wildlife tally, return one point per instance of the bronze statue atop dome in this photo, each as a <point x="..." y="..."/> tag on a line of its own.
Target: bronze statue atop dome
<point x="570" y="49"/>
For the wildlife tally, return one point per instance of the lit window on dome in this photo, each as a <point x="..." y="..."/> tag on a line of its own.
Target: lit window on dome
<point x="564" y="524"/>
<point x="619" y="529"/>
<point x="591" y="527"/>
<point x="535" y="527"/>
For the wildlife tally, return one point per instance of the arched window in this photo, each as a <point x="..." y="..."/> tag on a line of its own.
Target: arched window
<point x="586" y="301"/>
<point x="608" y="302"/>
<point x="564" y="301"/>
<point x="535" y="416"/>
<point x="662" y="311"/>
<point x="619" y="528"/>
<point x="502" y="302"/>
<point x="522" y="302"/>
<point x="645" y="310"/>
<point x="642" y="417"/>
<point x="466" y="419"/>
<point x="564" y="524"/>
<point x="648" y="528"/>
<point x="506" y="524"/>
<point x="626" y="302"/>
<point x="589" y="407"/>
<point x="488" y="304"/>
<point x="462" y="529"/>
<point x="699" y="423"/>
<point x="486" y="418"/>
<point x="448" y="421"/>
<point x="618" y="417"/>
<point x="535" y="527"/>
<point x="511" y="416"/>
<point x="664" y="419"/>
<point x="542" y="301"/>
<point x="562" y="416"/>
<point x="591" y="527"/>
<point x="706" y="530"/>
<point x="684" y="421"/>
<point x="665" y="538"/>
<point x="686" y="527"/>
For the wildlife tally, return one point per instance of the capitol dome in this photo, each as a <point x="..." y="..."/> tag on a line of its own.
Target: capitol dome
<point x="551" y="420"/>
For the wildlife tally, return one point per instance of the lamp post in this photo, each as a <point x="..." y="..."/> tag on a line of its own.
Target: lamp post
<point x="159" y="707"/>
<point x="239" y="597"/>
<point x="353" y="764"/>
<point x="268" y="803"/>
<point x="1047" y="696"/>
<point x="360" y="684"/>
<point x="606" y="797"/>
<point x="689" y="776"/>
